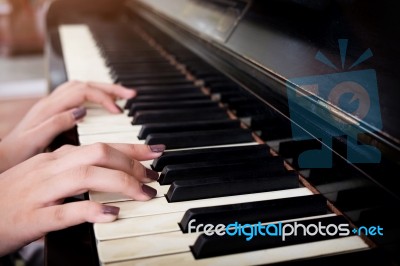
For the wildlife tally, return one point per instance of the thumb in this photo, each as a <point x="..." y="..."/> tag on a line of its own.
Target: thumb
<point x="58" y="217"/>
<point x="45" y="132"/>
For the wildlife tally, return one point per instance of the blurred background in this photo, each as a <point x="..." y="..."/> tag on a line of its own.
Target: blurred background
<point x="22" y="69"/>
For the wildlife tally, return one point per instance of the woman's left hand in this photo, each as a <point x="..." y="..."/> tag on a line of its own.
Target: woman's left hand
<point x="56" y="113"/>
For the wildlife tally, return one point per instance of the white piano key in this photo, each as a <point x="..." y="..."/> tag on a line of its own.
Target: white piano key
<point x="90" y="105"/>
<point x="217" y="146"/>
<point x="107" y="197"/>
<point x="161" y="205"/>
<point x="101" y="111"/>
<point x="141" y="226"/>
<point x="110" y="119"/>
<point x="82" y="59"/>
<point x="266" y="256"/>
<point x="95" y="128"/>
<point x="147" y="163"/>
<point x="138" y="226"/>
<point x="138" y="247"/>
<point x="144" y="246"/>
<point x="119" y="137"/>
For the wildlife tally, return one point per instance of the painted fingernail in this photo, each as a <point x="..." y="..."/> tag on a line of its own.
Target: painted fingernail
<point x="157" y="148"/>
<point x="112" y="210"/>
<point x="151" y="174"/>
<point x="79" y="113"/>
<point x="119" y="108"/>
<point x="151" y="192"/>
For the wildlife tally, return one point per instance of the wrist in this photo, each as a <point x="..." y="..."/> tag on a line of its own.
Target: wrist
<point x="5" y="155"/>
<point x="4" y="161"/>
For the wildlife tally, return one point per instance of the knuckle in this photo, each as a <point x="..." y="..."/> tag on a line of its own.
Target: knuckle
<point x="102" y="151"/>
<point x="65" y="147"/>
<point x="59" y="213"/>
<point x="57" y="121"/>
<point x="45" y="157"/>
<point x="124" y="179"/>
<point x="138" y="169"/>
<point x="133" y="149"/>
<point x="132" y="166"/>
<point x="84" y="172"/>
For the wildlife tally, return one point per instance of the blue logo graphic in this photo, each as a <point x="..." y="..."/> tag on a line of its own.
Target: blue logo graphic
<point x="324" y="99"/>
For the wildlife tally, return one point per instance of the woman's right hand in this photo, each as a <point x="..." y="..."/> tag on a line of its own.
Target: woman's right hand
<point x="32" y="192"/>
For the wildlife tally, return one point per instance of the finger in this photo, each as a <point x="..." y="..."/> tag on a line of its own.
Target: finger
<point x="84" y="178"/>
<point x="140" y="152"/>
<point x="45" y="132"/>
<point x="78" y="94"/>
<point x="103" y="155"/>
<point x="62" y="216"/>
<point x="66" y="85"/>
<point x="65" y="149"/>
<point x="113" y="89"/>
<point x="101" y="97"/>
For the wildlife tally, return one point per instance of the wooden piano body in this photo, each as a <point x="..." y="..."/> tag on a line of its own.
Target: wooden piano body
<point x="268" y="49"/>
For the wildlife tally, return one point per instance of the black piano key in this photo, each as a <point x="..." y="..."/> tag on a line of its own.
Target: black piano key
<point x="198" y="95"/>
<point x="142" y="68"/>
<point x="209" y="80"/>
<point x="132" y="75"/>
<point x="293" y="148"/>
<point x="199" y="139"/>
<point x="131" y="52"/>
<point x="179" y="115"/>
<point x="166" y="88"/>
<point x="122" y="57"/>
<point x="170" y="89"/>
<point x="170" y="105"/>
<point x="223" y="88"/>
<point x="225" y="97"/>
<point x="215" y="245"/>
<point x="118" y="60"/>
<point x="203" y="72"/>
<point x="155" y="82"/>
<point x="146" y="71"/>
<point x="243" y="101"/>
<point x="193" y="189"/>
<point x="209" y="154"/>
<point x="264" y="165"/>
<point x="254" y="212"/>
<point x="187" y="126"/>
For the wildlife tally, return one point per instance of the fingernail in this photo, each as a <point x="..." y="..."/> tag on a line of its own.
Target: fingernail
<point x="79" y="113"/>
<point x="112" y="210"/>
<point x="119" y="108"/>
<point x="151" y="174"/>
<point x="151" y="192"/>
<point x="157" y="148"/>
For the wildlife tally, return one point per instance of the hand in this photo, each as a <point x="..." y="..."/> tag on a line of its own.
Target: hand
<point x="54" y="114"/>
<point x="32" y="192"/>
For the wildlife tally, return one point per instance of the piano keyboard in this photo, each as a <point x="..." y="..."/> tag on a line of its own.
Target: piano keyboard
<point x="175" y="103"/>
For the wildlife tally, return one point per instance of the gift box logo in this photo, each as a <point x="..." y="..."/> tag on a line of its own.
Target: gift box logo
<point x="324" y="99"/>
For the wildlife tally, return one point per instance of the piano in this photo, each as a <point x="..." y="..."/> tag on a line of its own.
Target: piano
<point x="271" y="111"/>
